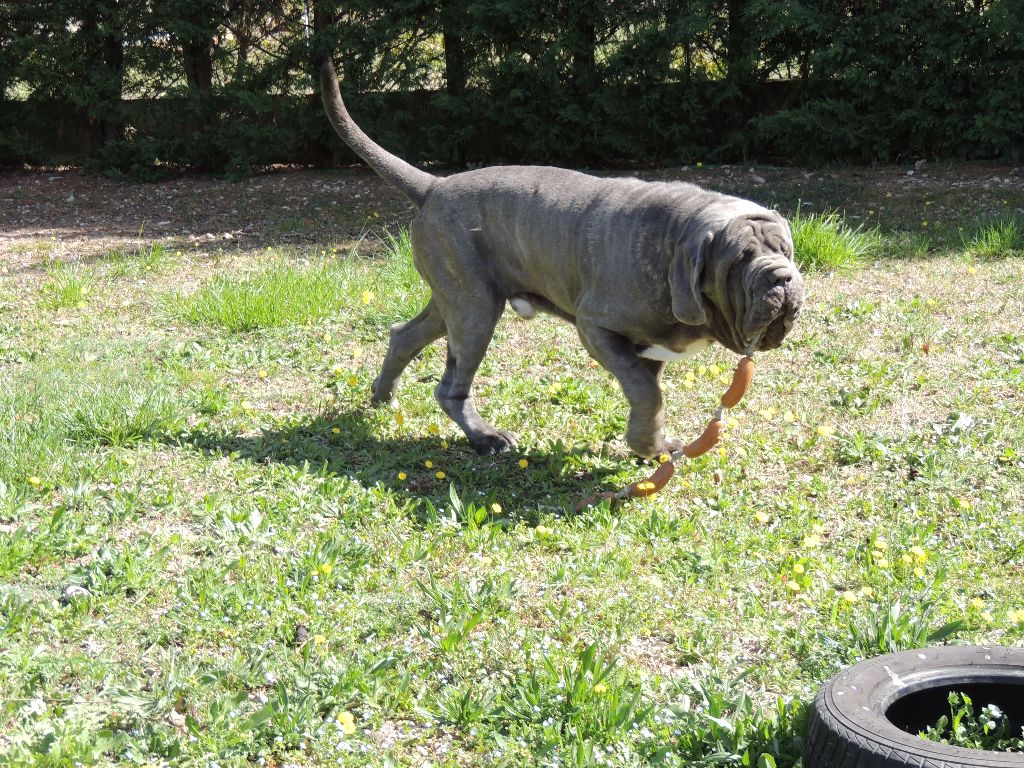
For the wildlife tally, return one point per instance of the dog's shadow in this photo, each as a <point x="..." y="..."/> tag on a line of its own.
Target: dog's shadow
<point x="527" y="484"/>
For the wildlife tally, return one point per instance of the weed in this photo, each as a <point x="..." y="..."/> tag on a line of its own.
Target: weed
<point x="283" y="294"/>
<point x="825" y="243"/>
<point x="994" y="240"/>
<point x="67" y="287"/>
<point x="989" y="730"/>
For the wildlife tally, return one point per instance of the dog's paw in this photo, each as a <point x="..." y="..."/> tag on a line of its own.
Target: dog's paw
<point x="380" y="397"/>
<point x="498" y="442"/>
<point x="649" y="449"/>
<point x="671" y="445"/>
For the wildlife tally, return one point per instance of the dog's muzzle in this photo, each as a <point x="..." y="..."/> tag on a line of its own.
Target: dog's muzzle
<point x="773" y="298"/>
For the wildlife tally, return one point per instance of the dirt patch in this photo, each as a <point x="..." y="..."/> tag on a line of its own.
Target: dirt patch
<point x="72" y="215"/>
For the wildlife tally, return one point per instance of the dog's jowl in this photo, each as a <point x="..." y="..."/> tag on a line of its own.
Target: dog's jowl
<point x="647" y="271"/>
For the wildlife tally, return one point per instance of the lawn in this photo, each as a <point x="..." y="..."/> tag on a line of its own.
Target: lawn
<point x="212" y="552"/>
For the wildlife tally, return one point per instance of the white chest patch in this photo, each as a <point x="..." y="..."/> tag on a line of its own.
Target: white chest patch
<point x="658" y="352"/>
<point x="523" y="308"/>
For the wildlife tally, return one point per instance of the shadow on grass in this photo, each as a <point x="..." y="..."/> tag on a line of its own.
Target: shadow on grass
<point x="345" y="444"/>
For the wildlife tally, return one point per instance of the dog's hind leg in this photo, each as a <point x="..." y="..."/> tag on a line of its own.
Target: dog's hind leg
<point x="470" y="328"/>
<point x="407" y="340"/>
<point x="640" y="384"/>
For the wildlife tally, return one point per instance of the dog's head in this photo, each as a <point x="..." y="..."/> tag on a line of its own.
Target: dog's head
<point x="740" y="281"/>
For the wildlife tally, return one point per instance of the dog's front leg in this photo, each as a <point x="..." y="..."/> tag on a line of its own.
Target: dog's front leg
<point x="639" y="380"/>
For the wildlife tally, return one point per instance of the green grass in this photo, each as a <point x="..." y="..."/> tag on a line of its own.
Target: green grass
<point x="67" y="287"/>
<point x="823" y="242"/>
<point x="995" y="240"/>
<point x="213" y="551"/>
<point x="270" y="296"/>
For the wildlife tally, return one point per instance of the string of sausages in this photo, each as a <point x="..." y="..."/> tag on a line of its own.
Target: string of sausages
<point x="741" y="379"/>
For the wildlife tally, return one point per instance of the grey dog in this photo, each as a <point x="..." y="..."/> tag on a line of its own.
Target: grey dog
<point x="647" y="271"/>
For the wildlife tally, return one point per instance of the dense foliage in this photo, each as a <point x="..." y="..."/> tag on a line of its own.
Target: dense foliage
<point x="228" y="84"/>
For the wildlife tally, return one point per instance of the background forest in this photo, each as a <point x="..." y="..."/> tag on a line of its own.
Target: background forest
<point x="138" y="86"/>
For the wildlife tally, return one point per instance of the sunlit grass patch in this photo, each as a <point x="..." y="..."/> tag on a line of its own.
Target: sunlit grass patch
<point x="122" y="412"/>
<point x="67" y="287"/>
<point x="51" y="412"/>
<point x="995" y="240"/>
<point x="144" y="258"/>
<point x="824" y="242"/>
<point x="276" y="295"/>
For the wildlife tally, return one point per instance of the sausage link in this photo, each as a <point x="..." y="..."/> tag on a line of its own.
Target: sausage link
<point x="655" y="482"/>
<point x="708" y="440"/>
<point x="740" y="381"/>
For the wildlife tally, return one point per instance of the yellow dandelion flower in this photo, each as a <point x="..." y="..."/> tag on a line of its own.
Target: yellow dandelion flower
<point x="440" y="475"/>
<point x="523" y="463"/>
<point x="762" y="517"/>
<point x="882" y="562"/>
<point x="986" y="616"/>
<point x="793" y="586"/>
<point x="850" y="596"/>
<point x="434" y="429"/>
<point x="977" y="602"/>
<point x="919" y="572"/>
<point x="600" y="688"/>
<point x="327" y="336"/>
<point x="496" y="508"/>
<point x="326" y="568"/>
<point x="35" y="480"/>
<point x="789" y="417"/>
<point x="811" y="541"/>
<point x="352" y="380"/>
<point x="798" y="568"/>
<point x="919" y="553"/>
<point x="906" y="558"/>
<point x="881" y="543"/>
<point x="262" y="373"/>
<point x="444" y="445"/>
<point x="347" y="723"/>
<point x="402" y="476"/>
<point x="664" y="457"/>
<point x="399" y="419"/>
<point x="335" y="430"/>
<point x="972" y="270"/>
<point x="690" y="377"/>
<point x="428" y="464"/>
<point x="645" y="485"/>
<point x="367" y="297"/>
<point x="826" y="430"/>
<point x="357" y="352"/>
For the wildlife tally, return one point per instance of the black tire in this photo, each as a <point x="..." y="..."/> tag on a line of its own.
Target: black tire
<point x="856" y="719"/>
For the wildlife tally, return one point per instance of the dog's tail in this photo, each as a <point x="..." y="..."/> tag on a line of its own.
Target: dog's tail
<point x="413" y="182"/>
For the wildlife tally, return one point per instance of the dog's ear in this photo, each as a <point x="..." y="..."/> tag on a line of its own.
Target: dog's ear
<point x="684" y="279"/>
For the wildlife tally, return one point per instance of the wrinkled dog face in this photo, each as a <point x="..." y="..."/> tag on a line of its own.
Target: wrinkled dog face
<point x="754" y="287"/>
